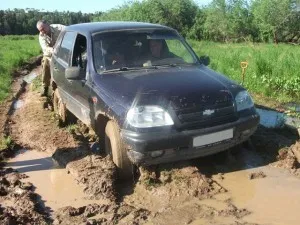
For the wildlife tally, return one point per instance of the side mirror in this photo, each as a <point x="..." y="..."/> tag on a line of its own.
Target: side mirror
<point x="75" y="73"/>
<point x="205" y="60"/>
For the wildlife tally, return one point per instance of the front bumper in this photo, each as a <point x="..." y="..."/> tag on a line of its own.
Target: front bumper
<point x="178" y="145"/>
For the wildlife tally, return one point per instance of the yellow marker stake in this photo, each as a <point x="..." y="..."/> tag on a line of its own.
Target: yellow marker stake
<point x="244" y="66"/>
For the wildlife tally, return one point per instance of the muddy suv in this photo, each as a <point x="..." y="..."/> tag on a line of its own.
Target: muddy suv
<point x="146" y="93"/>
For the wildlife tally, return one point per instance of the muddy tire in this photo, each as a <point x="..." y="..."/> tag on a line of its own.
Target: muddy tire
<point x="60" y="109"/>
<point x="115" y="147"/>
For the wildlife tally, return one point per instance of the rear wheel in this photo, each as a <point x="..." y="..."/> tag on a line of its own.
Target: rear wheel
<point x="115" y="147"/>
<point x="60" y="109"/>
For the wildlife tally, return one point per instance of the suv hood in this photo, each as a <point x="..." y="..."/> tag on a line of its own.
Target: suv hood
<point x="183" y="87"/>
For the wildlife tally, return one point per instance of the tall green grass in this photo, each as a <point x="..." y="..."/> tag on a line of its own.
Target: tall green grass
<point x="273" y="70"/>
<point x="14" y="51"/>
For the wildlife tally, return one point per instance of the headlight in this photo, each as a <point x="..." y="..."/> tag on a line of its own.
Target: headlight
<point x="243" y="101"/>
<point x="148" y="116"/>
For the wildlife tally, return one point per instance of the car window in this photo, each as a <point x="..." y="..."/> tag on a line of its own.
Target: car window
<point x="66" y="46"/>
<point x="79" y="57"/>
<point x="58" y="43"/>
<point x="138" y="49"/>
<point x="176" y="48"/>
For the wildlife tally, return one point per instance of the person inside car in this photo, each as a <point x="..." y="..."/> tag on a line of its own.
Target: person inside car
<point x="156" y="48"/>
<point x="158" y="53"/>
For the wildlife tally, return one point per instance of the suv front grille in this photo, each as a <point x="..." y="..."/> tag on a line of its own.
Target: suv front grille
<point x="208" y="116"/>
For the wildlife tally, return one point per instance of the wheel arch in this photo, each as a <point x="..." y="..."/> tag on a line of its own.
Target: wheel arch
<point x="100" y="123"/>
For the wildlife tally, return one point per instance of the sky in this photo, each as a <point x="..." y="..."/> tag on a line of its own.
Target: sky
<point x="85" y="6"/>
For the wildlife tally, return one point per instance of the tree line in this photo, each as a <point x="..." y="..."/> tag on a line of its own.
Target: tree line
<point x="221" y="20"/>
<point x="23" y="21"/>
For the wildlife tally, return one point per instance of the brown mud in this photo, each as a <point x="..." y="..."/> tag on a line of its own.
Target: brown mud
<point x="18" y="202"/>
<point x="51" y="176"/>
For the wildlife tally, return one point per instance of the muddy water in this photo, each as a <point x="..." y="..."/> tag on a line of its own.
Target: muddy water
<point x="272" y="200"/>
<point x="18" y="104"/>
<point x="30" y="77"/>
<point x="56" y="188"/>
<point x="219" y="220"/>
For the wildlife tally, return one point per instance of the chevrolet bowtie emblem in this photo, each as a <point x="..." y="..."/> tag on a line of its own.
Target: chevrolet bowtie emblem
<point x="208" y="112"/>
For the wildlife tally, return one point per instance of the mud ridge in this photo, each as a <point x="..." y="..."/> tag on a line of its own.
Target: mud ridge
<point x="95" y="173"/>
<point x="28" y="66"/>
<point x="289" y="158"/>
<point x="19" y="204"/>
<point x="101" y="214"/>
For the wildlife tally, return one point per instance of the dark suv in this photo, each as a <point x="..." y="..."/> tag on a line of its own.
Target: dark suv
<point x="147" y="95"/>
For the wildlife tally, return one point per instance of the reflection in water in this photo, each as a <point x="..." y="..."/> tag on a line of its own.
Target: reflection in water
<point x="274" y="119"/>
<point x="270" y="118"/>
<point x="29" y="78"/>
<point x="18" y="104"/>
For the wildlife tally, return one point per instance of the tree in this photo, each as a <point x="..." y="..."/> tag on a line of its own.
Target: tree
<point x="229" y="20"/>
<point x="217" y="22"/>
<point x="197" y="30"/>
<point x="179" y="14"/>
<point x="270" y="15"/>
<point x="240" y="19"/>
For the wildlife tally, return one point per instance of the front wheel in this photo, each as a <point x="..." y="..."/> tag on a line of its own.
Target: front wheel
<point x="116" y="148"/>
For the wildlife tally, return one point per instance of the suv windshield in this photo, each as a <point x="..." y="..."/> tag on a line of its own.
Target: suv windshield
<point x="143" y="49"/>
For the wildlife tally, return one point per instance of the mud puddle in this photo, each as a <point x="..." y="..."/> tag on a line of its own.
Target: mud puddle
<point x="18" y="104"/>
<point x="256" y="193"/>
<point x="271" y="198"/>
<point x="30" y="77"/>
<point x="57" y="188"/>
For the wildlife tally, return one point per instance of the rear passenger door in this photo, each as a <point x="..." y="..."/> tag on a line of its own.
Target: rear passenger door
<point x="60" y="62"/>
<point x="72" y="52"/>
<point x="80" y="88"/>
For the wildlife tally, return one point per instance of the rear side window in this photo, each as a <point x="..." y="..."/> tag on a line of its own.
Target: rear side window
<point x="58" y="42"/>
<point x="80" y="52"/>
<point x="65" y="50"/>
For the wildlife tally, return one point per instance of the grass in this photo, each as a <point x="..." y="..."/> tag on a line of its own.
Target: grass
<point x="36" y="84"/>
<point x="6" y="142"/>
<point x="273" y="70"/>
<point x="14" y="51"/>
<point x="72" y="128"/>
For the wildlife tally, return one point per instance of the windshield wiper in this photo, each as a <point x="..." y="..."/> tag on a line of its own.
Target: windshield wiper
<point x="169" y="65"/>
<point x="176" y="64"/>
<point x="150" y="67"/>
<point x="122" y="69"/>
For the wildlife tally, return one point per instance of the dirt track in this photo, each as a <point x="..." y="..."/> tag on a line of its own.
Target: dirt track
<point x="256" y="184"/>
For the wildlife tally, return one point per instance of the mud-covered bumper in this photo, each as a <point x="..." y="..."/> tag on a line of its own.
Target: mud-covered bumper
<point x="179" y="145"/>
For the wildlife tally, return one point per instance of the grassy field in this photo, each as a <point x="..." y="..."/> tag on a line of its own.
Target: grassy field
<point x="14" y="51"/>
<point x="273" y="70"/>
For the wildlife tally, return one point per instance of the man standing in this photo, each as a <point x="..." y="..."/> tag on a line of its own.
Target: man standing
<point x="47" y="38"/>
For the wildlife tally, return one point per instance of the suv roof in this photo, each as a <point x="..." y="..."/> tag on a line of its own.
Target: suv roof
<point x="105" y="26"/>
